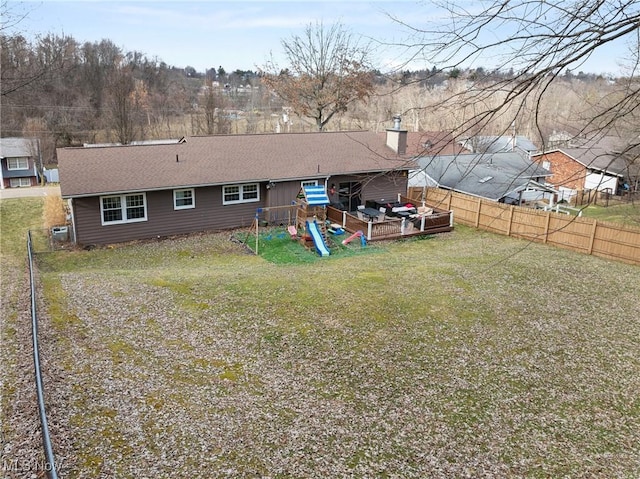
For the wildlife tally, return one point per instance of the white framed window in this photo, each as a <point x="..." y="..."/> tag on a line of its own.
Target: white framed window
<point x="123" y="208"/>
<point x="19" y="182"/>
<point x="18" y="163"/>
<point x="546" y="164"/>
<point x="184" y="198"/>
<point x="309" y="183"/>
<point x="240" y="194"/>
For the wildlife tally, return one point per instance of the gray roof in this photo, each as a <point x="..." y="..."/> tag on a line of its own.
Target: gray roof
<point x="18" y="147"/>
<point x="491" y="176"/>
<point x="224" y="159"/>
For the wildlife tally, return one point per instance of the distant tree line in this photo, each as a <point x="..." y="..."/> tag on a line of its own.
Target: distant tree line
<point x="69" y="93"/>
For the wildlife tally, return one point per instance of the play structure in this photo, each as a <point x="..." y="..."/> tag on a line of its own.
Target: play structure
<point x="335" y="229"/>
<point x="311" y="216"/>
<point x="360" y="234"/>
<point x="310" y="226"/>
<point x="318" y="240"/>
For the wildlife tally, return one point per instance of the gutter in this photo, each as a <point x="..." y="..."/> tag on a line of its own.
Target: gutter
<point x="324" y="177"/>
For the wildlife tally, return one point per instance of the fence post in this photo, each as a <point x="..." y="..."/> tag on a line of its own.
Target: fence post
<point x="546" y="227"/>
<point x="478" y="212"/>
<point x="511" y="208"/>
<point x="593" y="236"/>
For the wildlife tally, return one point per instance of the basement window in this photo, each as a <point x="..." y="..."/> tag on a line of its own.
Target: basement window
<point x="184" y="199"/>
<point x="119" y="209"/>
<point x="233" y="194"/>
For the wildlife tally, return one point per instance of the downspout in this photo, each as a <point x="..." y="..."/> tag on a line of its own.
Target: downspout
<point x="72" y="218"/>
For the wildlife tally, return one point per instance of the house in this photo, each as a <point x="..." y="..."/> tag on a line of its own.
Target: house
<point x="499" y="144"/>
<point x="19" y="158"/>
<point x="503" y="177"/>
<point x="595" y="165"/>
<point x="122" y="193"/>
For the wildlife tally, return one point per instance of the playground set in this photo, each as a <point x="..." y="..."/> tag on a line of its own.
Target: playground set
<point x="311" y="226"/>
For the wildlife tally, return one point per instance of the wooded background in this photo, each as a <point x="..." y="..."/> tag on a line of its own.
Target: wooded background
<point x="69" y="93"/>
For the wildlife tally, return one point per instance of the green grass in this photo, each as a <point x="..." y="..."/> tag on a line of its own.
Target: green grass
<point x="275" y="245"/>
<point x="462" y="355"/>
<point x="627" y="214"/>
<point x="17" y="216"/>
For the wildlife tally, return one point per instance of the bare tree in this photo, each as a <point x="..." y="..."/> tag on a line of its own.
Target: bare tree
<point x="540" y="41"/>
<point x="214" y="115"/>
<point x="128" y="100"/>
<point x="327" y="71"/>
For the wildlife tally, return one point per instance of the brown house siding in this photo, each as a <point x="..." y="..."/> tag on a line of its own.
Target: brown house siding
<point x="282" y="194"/>
<point x="209" y="213"/>
<point x="373" y="187"/>
<point x="565" y="171"/>
<point x="162" y="219"/>
<point x="386" y="186"/>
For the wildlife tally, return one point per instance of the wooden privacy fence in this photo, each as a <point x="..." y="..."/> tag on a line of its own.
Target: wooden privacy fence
<point x="585" y="235"/>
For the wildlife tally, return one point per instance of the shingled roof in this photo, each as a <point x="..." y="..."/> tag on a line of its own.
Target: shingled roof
<point x="490" y="176"/>
<point x="16" y="147"/>
<point x="224" y="159"/>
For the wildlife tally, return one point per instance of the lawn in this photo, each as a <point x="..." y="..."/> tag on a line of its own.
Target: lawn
<point x="627" y="214"/>
<point x="463" y="355"/>
<point x="21" y="443"/>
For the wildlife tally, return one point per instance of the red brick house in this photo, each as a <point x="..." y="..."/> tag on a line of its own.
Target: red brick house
<point x="593" y="166"/>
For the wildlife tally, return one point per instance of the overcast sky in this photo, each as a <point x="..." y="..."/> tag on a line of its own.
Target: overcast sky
<point x="232" y="34"/>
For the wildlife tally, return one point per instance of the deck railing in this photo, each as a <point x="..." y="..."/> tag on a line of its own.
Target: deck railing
<point x="438" y="222"/>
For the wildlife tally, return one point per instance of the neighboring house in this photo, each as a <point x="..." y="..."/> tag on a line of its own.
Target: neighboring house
<point x="499" y="144"/>
<point x="19" y="158"/>
<point x="503" y="177"/>
<point x="596" y="165"/>
<point x="122" y="193"/>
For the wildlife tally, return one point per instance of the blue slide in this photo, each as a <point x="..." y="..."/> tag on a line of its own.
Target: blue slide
<point x="314" y="231"/>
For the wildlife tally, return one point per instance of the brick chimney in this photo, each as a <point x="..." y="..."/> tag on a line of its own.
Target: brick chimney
<point x="396" y="137"/>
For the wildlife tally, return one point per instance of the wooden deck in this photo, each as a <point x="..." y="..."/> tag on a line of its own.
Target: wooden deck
<point x="440" y="221"/>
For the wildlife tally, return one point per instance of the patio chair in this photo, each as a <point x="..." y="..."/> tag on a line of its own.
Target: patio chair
<point x="381" y="216"/>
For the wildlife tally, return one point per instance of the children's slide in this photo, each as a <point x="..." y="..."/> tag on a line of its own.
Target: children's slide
<point x="314" y="231"/>
<point x="355" y="235"/>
